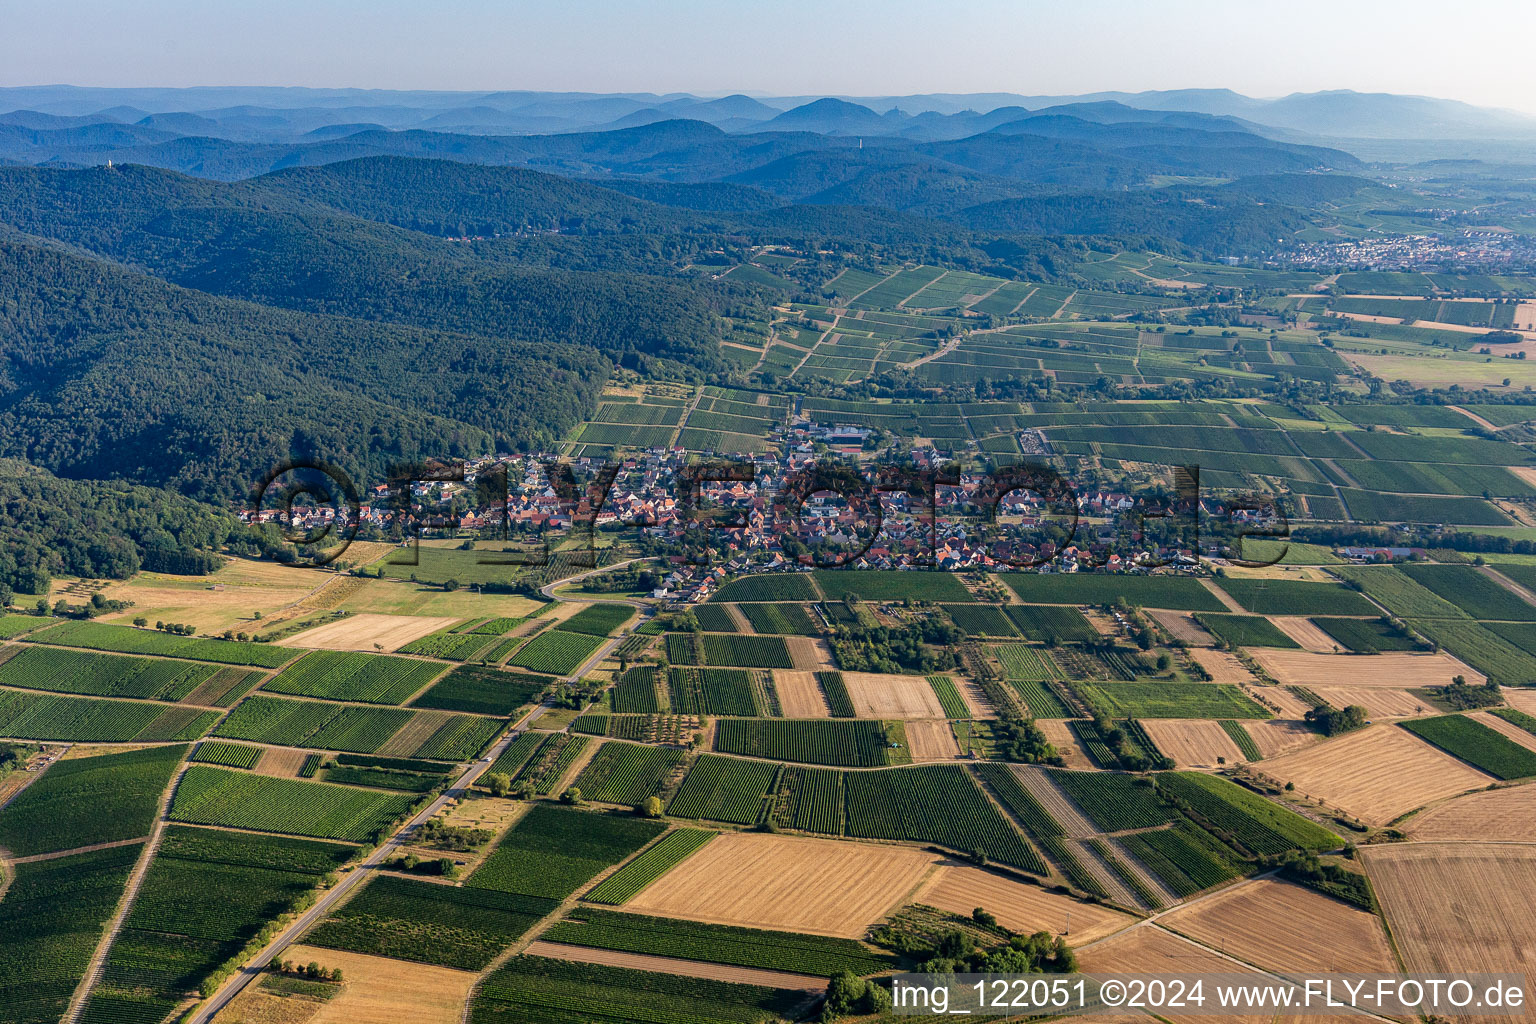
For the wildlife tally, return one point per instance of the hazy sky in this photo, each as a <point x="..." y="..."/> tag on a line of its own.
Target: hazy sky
<point x="1475" y="50"/>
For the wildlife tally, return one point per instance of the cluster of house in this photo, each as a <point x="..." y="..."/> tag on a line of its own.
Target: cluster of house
<point x="1491" y="250"/>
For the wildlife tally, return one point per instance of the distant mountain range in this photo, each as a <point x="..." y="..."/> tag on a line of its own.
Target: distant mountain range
<point x="286" y="114"/>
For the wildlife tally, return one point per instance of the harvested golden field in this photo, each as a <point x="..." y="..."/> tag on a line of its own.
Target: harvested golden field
<point x="1457" y="907"/>
<point x="808" y="654"/>
<point x="1193" y="743"/>
<point x="1281" y="926"/>
<point x="960" y="889"/>
<point x="932" y="739"/>
<point x="1279" y="700"/>
<point x="1223" y="666"/>
<point x="1508" y="729"/>
<point x="369" y="632"/>
<point x="1148" y="949"/>
<point x="1521" y="698"/>
<point x="222" y="600"/>
<point x="1378" y="700"/>
<point x="1376" y="773"/>
<point x="1305" y="633"/>
<point x="1061" y="736"/>
<point x="1508" y="814"/>
<point x="876" y="695"/>
<point x="799" y="696"/>
<point x="1183" y="626"/>
<point x="383" y="991"/>
<point x="284" y="762"/>
<point x="820" y="886"/>
<point x="1397" y="669"/>
<point x="1275" y="736"/>
<point x="672" y="965"/>
<point x="976" y="701"/>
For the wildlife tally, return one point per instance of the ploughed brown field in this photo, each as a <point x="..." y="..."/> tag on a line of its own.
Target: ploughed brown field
<point x="819" y="886"/>
<point x="1281" y="926"/>
<point x="1376" y="773"/>
<point x="1018" y="906"/>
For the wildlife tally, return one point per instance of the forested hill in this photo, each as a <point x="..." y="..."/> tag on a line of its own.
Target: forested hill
<point x="440" y="197"/>
<point x="108" y="373"/>
<point x="255" y="243"/>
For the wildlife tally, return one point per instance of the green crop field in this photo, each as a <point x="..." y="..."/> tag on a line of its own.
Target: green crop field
<point x="981" y="619"/>
<point x="1399" y="594"/>
<point x="207" y="894"/>
<point x="1114" y="801"/>
<point x="460" y="738"/>
<point x="779" y="617"/>
<point x="769" y="587"/>
<point x="1241" y="737"/>
<point x="518" y="753"/>
<point x="1042" y="703"/>
<point x="839" y="701"/>
<point x="348" y="675"/>
<point x="450" y="926"/>
<point x="725" y="789"/>
<point x="89" y="800"/>
<point x="1476" y="744"/>
<point x="1264" y="828"/>
<point x="1245" y="630"/>
<point x="635" y="692"/>
<point x="1176" y="593"/>
<point x="556" y="652"/>
<point x="100" y="636"/>
<point x="103" y="675"/>
<point x="627" y="882"/>
<point x="52" y="919"/>
<point x="1170" y="700"/>
<point x="35" y="716"/>
<point x="599" y="619"/>
<point x="313" y="723"/>
<point x="230" y="755"/>
<point x="627" y="773"/>
<point x="1184" y="857"/>
<point x="1365" y="636"/>
<point x="553" y="851"/>
<point x="716" y="944"/>
<point x="746" y="651"/>
<point x="936" y="804"/>
<point x="12" y="625"/>
<point x="216" y="796"/>
<point x="1482" y="648"/>
<point x="843" y="743"/>
<point x="712" y="691"/>
<point x="949" y="697"/>
<point x="1475" y="593"/>
<point x="1293" y="597"/>
<point x="535" y="990"/>
<point x="1021" y="661"/>
<point x="715" y="618"/>
<point x="485" y="691"/>
<point x="810" y="799"/>
<point x="877" y="585"/>
<point x="1052" y="623"/>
